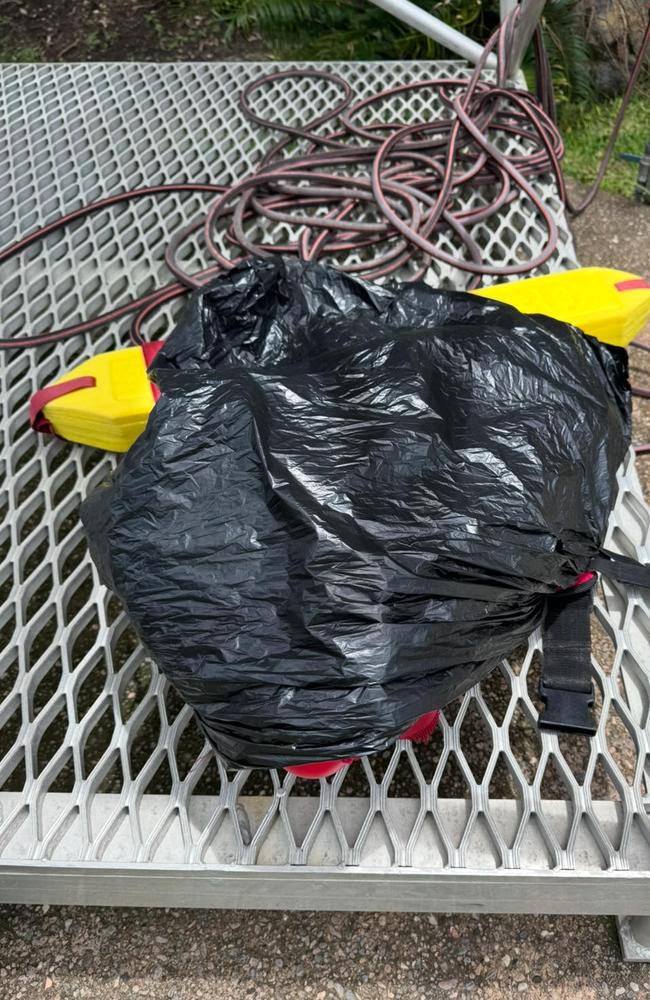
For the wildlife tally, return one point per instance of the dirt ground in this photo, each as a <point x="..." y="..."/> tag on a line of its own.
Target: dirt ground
<point x="107" y="30"/>
<point x="96" y="953"/>
<point x="615" y="232"/>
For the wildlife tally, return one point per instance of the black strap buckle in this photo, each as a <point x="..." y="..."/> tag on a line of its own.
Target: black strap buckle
<point x="565" y="686"/>
<point x="567" y="711"/>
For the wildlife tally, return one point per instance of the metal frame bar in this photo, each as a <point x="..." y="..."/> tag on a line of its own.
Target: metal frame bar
<point x="431" y="26"/>
<point x="320" y="883"/>
<point x="531" y="12"/>
<point x="434" y="28"/>
<point x="313" y="888"/>
<point x="634" y="938"/>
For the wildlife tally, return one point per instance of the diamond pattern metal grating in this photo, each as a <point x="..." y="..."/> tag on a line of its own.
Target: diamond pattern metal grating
<point x="101" y="767"/>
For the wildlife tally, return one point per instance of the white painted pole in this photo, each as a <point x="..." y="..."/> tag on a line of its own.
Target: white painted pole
<point x="529" y="17"/>
<point x="434" y="28"/>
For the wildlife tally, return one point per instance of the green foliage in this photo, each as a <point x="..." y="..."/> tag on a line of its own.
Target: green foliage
<point x="356" y="29"/>
<point x="99" y="39"/>
<point x="157" y="27"/>
<point x="344" y="29"/>
<point x="586" y="129"/>
<point x="564" y="37"/>
<point x="19" y="53"/>
<point x="11" y="50"/>
<point x="177" y="24"/>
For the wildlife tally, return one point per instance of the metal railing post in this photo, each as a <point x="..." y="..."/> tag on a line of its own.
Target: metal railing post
<point x="434" y="28"/>
<point x="634" y="938"/>
<point x="529" y="16"/>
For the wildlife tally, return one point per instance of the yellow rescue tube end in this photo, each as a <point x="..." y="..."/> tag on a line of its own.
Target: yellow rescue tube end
<point x="613" y="306"/>
<point x="103" y="402"/>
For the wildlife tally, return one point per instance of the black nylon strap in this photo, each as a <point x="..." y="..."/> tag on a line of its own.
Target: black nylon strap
<point x="566" y="687"/>
<point x="622" y="568"/>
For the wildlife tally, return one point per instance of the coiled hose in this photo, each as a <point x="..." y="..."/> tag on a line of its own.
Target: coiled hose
<point x="373" y="196"/>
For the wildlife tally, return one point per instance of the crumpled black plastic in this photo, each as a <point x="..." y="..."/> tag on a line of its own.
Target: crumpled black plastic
<point x="350" y="501"/>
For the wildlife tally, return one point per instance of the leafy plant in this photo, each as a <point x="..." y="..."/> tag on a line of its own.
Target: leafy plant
<point x="11" y="49"/>
<point x="99" y="39"/>
<point x="564" y="37"/>
<point x="356" y="29"/>
<point x="335" y="29"/>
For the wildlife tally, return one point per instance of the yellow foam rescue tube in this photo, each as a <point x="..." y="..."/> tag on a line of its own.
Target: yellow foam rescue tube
<point x="613" y="306"/>
<point x="105" y="401"/>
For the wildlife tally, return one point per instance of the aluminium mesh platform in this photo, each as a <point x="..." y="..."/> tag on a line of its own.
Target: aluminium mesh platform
<point x="107" y="792"/>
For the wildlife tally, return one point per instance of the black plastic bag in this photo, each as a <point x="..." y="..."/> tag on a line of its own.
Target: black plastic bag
<point x="351" y="500"/>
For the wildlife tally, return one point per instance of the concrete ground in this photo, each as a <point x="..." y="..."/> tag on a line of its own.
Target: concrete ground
<point x="96" y="953"/>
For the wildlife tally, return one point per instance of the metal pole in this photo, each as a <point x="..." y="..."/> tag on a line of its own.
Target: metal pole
<point x="431" y="26"/>
<point x="634" y="937"/>
<point x="529" y="16"/>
